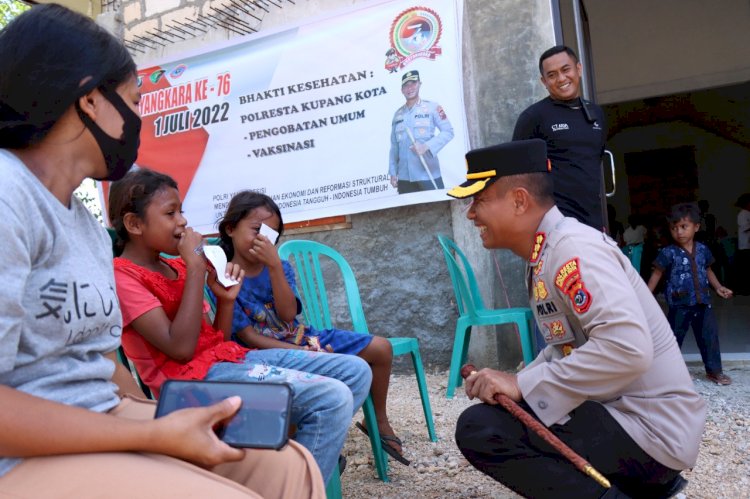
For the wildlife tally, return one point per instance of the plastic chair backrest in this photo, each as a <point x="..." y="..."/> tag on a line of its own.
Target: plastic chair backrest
<point x="634" y="252"/>
<point x="307" y="261"/>
<point x="636" y="255"/>
<point x="729" y="245"/>
<point x="464" y="281"/>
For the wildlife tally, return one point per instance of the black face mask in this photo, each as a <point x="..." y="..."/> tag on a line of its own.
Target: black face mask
<point x="119" y="154"/>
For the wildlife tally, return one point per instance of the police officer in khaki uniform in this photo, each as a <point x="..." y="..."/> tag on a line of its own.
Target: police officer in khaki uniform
<point x="611" y="382"/>
<point x="413" y="163"/>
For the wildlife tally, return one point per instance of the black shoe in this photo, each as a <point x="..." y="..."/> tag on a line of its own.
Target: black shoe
<point x="342" y="464"/>
<point x="614" y="493"/>
<point x="671" y="489"/>
<point x="663" y="491"/>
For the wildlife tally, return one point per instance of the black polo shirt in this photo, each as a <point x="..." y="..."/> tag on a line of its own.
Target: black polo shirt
<point x="575" y="148"/>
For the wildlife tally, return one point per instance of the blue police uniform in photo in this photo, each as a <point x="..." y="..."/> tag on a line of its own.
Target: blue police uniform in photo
<point x="421" y="119"/>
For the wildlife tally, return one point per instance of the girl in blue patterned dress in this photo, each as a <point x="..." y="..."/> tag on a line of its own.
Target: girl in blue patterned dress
<point x="266" y="309"/>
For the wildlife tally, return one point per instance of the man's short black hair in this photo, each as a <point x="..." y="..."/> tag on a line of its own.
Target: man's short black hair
<point x="554" y="51"/>
<point x="539" y="185"/>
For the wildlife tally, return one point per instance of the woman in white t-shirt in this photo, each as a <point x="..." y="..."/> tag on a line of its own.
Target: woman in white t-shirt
<point x="635" y="233"/>
<point x="69" y="110"/>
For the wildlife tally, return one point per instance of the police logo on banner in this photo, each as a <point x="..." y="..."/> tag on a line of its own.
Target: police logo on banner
<point x="414" y="34"/>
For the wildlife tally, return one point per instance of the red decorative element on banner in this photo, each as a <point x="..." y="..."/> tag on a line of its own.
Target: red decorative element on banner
<point x="177" y="155"/>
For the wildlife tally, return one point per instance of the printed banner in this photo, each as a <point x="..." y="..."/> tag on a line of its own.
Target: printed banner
<point x="314" y="116"/>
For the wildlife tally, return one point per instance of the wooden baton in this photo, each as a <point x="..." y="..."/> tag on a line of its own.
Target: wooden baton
<point x="543" y="432"/>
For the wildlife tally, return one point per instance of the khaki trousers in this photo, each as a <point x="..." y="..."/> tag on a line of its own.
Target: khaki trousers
<point x="289" y="473"/>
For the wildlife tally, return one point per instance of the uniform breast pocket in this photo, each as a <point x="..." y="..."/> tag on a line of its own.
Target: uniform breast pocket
<point x="422" y="123"/>
<point x="423" y="132"/>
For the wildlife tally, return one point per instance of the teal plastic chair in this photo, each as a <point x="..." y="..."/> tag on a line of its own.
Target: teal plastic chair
<point x="333" y="487"/>
<point x="307" y="261"/>
<point x="124" y="360"/>
<point x="634" y="252"/>
<point x="472" y="312"/>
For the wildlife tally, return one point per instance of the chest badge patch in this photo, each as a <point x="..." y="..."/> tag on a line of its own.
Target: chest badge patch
<point x="570" y="282"/>
<point x="540" y="291"/>
<point x="556" y="329"/>
<point x="538" y="242"/>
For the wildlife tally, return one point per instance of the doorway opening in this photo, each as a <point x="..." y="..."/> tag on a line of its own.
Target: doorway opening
<point x="678" y="114"/>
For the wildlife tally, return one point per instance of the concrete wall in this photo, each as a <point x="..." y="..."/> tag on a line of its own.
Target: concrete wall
<point x="403" y="279"/>
<point x="502" y="43"/>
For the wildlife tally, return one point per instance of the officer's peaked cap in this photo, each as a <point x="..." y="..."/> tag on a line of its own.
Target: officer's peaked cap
<point x="486" y="165"/>
<point x="412" y="75"/>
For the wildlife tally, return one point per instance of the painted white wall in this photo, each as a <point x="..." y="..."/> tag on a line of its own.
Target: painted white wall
<point x="646" y="48"/>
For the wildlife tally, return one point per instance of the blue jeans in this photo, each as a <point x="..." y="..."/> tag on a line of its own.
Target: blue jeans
<point x="328" y="389"/>
<point x="703" y="321"/>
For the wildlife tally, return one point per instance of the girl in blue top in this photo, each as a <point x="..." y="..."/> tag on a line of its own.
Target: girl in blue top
<point x="266" y="310"/>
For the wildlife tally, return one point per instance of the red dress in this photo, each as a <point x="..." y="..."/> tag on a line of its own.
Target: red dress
<point x="138" y="290"/>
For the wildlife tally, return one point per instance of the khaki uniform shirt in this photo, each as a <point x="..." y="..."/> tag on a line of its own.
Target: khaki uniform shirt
<point x="607" y="341"/>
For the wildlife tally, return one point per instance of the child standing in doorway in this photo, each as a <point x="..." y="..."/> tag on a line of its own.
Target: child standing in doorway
<point x="687" y="264"/>
<point x="266" y="310"/>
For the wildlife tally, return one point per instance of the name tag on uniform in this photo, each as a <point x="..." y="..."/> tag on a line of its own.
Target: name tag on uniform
<point x="546" y="308"/>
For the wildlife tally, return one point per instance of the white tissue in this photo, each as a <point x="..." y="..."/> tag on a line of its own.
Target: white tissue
<point x="218" y="259"/>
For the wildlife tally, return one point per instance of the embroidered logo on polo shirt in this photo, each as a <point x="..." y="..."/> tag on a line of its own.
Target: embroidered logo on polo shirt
<point x="559" y="127"/>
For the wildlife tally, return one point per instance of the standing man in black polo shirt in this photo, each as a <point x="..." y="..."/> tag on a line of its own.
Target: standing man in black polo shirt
<point x="574" y="131"/>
